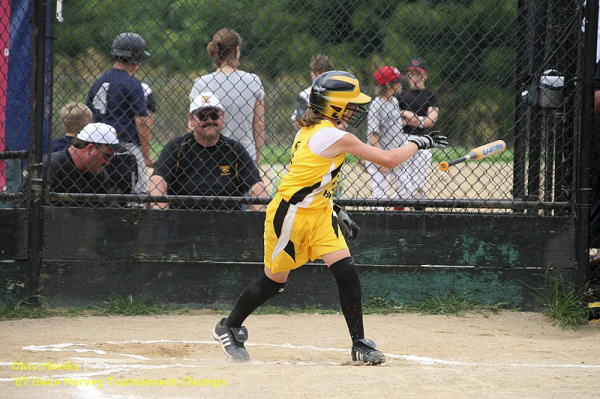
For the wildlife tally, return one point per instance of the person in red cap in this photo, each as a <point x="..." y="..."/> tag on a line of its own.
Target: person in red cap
<point x="385" y="129"/>
<point x="420" y="111"/>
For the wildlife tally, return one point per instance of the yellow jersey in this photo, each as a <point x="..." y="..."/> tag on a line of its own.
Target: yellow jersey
<point x="311" y="177"/>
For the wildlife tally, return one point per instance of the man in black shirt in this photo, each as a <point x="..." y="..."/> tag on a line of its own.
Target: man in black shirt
<point x="79" y="168"/>
<point x="203" y="162"/>
<point x="420" y="100"/>
<point x="423" y="104"/>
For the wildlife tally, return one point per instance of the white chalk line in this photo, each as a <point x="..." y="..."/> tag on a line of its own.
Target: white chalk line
<point x="100" y="363"/>
<point x="61" y="348"/>
<point x="112" y="366"/>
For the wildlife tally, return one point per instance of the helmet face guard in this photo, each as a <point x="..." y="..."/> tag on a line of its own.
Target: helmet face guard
<point x="336" y="95"/>
<point x="359" y="112"/>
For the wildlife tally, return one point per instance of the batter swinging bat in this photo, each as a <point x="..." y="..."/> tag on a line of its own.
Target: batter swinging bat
<point x="477" y="153"/>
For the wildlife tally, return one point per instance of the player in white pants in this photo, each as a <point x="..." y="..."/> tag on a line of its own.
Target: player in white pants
<point x="411" y="177"/>
<point x="385" y="131"/>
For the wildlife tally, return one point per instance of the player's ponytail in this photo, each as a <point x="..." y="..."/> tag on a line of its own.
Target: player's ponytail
<point x="310" y="117"/>
<point x="213" y="50"/>
<point x="223" y="49"/>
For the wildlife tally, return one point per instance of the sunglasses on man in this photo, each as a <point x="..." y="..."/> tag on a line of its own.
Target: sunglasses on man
<point x="105" y="154"/>
<point x="203" y="117"/>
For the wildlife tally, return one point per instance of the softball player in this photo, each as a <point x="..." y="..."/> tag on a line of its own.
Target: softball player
<point x="384" y="125"/>
<point x="300" y="222"/>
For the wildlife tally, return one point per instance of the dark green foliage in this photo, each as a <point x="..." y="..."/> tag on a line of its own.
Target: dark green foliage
<point x="453" y="303"/>
<point x="469" y="45"/>
<point x="28" y="307"/>
<point x="127" y="305"/>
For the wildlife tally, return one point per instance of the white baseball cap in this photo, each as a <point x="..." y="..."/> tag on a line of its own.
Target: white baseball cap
<point x="205" y="100"/>
<point x="101" y="133"/>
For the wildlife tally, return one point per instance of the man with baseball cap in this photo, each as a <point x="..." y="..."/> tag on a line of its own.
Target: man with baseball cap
<point x="79" y="168"/>
<point x="203" y="162"/>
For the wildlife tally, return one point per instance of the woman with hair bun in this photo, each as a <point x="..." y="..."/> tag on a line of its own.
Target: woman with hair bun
<point x="241" y="93"/>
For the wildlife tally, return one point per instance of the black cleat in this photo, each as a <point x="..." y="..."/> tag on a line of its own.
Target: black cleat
<point x="363" y="350"/>
<point x="232" y="341"/>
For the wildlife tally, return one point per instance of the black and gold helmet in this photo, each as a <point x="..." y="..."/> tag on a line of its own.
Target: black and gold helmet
<point x="335" y="92"/>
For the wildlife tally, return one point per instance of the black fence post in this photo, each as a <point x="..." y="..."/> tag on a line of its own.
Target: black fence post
<point x="36" y="149"/>
<point x="566" y="34"/>
<point x="522" y="78"/>
<point x="585" y="143"/>
<point x="538" y="49"/>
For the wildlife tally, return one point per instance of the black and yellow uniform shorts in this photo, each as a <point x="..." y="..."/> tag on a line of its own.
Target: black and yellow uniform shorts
<point x="294" y="235"/>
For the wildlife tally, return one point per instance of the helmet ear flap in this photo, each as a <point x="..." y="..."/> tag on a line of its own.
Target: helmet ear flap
<point x="336" y="115"/>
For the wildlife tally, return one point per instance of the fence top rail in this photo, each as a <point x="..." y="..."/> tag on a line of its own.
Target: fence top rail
<point x="14" y="154"/>
<point x="226" y="200"/>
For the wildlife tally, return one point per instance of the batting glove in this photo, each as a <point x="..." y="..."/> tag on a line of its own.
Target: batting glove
<point x="349" y="228"/>
<point x="426" y="142"/>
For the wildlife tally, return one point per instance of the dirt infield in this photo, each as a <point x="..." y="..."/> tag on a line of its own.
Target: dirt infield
<point x="506" y="355"/>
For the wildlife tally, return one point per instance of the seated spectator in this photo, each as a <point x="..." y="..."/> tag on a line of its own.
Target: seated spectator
<point x="74" y="117"/>
<point x="79" y="168"/>
<point x="203" y="162"/>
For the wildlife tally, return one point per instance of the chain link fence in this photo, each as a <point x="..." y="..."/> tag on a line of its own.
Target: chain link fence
<point x="476" y="71"/>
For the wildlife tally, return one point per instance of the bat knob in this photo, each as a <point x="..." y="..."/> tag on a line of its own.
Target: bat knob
<point x="444" y="166"/>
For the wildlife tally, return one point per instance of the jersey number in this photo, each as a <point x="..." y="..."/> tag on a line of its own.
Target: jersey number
<point x="294" y="151"/>
<point x="100" y="99"/>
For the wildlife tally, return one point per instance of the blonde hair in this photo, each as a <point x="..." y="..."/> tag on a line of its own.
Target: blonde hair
<point x="311" y="117"/>
<point x="320" y="63"/>
<point x="224" y="46"/>
<point x="75" y="116"/>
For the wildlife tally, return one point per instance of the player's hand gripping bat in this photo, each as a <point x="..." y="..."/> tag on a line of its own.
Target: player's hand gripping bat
<point x="476" y="154"/>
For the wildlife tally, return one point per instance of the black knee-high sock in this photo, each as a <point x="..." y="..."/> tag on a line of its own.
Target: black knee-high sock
<point x="255" y="295"/>
<point x="346" y="277"/>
